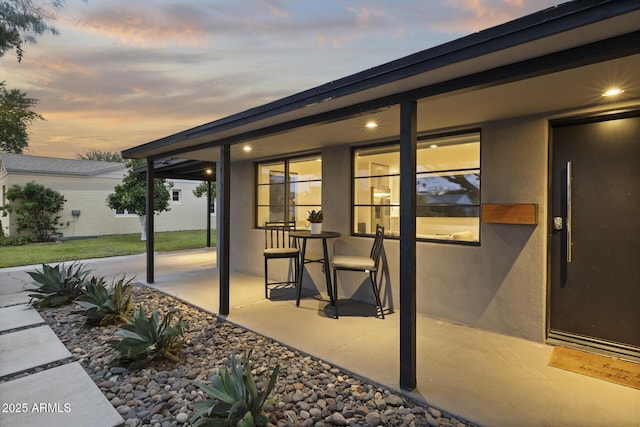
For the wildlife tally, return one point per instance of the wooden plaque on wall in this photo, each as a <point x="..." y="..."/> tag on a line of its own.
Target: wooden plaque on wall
<point x="510" y="213"/>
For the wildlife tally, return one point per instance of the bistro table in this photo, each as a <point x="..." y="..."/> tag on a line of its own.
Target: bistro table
<point x="304" y="235"/>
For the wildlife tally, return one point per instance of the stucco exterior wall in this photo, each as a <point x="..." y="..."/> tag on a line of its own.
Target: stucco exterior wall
<point x="499" y="285"/>
<point x="96" y="219"/>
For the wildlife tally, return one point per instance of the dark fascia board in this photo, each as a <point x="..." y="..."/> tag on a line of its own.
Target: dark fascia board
<point x="180" y="169"/>
<point x="538" y="25"/>
<point x="559" y="61"/>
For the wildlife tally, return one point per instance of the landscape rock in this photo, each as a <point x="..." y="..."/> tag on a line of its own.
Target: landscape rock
<point x="309" y="392"/>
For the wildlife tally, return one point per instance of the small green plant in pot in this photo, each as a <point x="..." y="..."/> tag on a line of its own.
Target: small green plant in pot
<point x="57" y="285"/>
<point x="315" y="218"/>
<point x="102" y="305"/>
<point x="145" y="339"/>
<point x="235" y="398"/>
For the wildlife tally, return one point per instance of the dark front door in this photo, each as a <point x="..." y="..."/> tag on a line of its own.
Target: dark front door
<point x="595" y="226"/>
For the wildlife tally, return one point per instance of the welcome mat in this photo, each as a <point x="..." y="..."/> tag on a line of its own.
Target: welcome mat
<point x="594" y="365"/>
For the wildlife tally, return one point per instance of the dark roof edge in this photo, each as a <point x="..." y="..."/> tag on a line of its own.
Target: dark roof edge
<point x="540" y="24"/>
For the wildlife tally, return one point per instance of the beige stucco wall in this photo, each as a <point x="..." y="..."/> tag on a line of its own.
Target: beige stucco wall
<point x="499" y="285"/>
<point x="89" y="194"/>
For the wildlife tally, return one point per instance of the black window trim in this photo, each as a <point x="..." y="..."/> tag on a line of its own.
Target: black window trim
<point x="421" y="137"/>
<point x="286" y="160"/>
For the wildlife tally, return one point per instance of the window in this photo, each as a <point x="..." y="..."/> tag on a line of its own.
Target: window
<point x="176" y="196"/>
<point x="287" y="189"/>
<point x="447" y="188"/>
<point x="124" y="212"/>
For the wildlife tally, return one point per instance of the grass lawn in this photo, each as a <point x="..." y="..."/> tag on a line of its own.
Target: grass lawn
<point x="100" y="247"/>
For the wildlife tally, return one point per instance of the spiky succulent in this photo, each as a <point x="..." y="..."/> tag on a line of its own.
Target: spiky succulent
<point x="144" y="339"/>
<point x="235" y="398"/>
<point x="57" y="285"/>
<point x="105" y="305"/>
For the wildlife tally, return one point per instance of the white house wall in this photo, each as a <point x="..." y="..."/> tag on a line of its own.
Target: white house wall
<point x="499" y="285"/>
<point x="89" y="194"/>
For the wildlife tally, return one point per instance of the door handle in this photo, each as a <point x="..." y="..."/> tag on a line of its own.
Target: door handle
<point x="569" y="222"/>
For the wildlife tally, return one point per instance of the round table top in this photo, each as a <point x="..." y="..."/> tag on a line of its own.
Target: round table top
<point x="306" y="234"/>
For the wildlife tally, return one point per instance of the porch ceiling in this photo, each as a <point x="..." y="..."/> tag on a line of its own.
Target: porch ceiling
<point x="578" y="89"/>
<point x="537" y="64"/>
<point x="193" y="170"/>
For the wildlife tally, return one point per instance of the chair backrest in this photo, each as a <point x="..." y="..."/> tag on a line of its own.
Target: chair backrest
<point x="276" y="234"/>
<point x="376" y="250"/>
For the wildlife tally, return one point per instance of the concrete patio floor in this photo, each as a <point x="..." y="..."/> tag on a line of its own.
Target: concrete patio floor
<point x="483" y="377"/>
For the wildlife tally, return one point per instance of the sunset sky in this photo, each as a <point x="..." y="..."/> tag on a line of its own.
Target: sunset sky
<point x="122" y="72"/>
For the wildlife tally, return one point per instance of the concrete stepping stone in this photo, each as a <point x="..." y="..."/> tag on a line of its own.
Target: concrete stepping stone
<point x="13" y="299"/>
<point x="60" y="396"/>
<point x="29" y="348"/>
<point x="18" y="316"/>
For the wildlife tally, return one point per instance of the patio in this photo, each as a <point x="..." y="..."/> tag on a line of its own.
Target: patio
<point x="485" y="378"/>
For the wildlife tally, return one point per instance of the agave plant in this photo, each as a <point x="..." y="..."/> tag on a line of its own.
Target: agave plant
<point x="143" y="339"/>
<point x="57" y="285"/>
<point x="102" y="305"/>
<point x="236" y="400"/>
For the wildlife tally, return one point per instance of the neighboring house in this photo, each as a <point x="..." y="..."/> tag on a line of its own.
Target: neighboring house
<point x="543" y="241"/>
<point x="85" y="184"/>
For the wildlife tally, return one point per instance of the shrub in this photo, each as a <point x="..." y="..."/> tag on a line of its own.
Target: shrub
<point x="104" y="305"/>
<point x="57" y="285"/>
<point x="37" y="210"/>
<point x="143" y="339"/>
<point x="236" y="400"/>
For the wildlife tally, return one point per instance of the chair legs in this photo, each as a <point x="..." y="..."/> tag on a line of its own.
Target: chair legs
<point x="376" y="293"/>
<point x="335" y="293"/>
<point x="266" y="280"/>
<point x="298" y="272"/>
<point x="374" y="285"/>
<point x="296" y="276"/>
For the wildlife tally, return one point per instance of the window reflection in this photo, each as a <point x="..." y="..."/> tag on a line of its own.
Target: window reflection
<point x="447" y="188"/>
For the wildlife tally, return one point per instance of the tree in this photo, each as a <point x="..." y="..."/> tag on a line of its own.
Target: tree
<point x="21" y="21"/>
<point x="131" y="196"/>
<point x="15" y="119"/>
<point x="36" y="208"/>
<point x="202" y="190"/>
<point x="103" y="156"/>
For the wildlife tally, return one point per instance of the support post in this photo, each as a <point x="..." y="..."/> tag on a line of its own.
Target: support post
<point x="149" y="220"/>
<point x="408" y="147"/>
<point x="224" y="225"/>
<point x="209" y="213"/>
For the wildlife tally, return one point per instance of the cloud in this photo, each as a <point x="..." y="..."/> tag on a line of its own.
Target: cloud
<point x="274" y="8"/>
<point x="466" y="16"/>
<point x="176" y="25"/>
<point x="122" y="73"/>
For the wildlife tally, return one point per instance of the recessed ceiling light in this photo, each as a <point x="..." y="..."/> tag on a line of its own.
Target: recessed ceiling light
<point x="613" y="92"/>
<point x="247" y="148"/>
<point x="433" y="146"/>
<point x="208" y="171"/>
<point x="371" y="124"/>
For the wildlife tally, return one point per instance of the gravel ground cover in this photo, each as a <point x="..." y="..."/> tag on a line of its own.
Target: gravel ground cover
<point x="309" y="392"/>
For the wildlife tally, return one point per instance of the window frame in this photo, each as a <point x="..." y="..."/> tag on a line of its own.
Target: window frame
<point x="179" y="192"/>
<point x="126" y="214"/>
<point x="420" y="138"/>
<point x="287" y="183"/>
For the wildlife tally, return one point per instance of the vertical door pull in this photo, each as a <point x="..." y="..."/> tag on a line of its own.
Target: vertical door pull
<point x="569" y="222"/>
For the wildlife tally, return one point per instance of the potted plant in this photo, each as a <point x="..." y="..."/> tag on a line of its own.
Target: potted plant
<point x="315" y="218"/>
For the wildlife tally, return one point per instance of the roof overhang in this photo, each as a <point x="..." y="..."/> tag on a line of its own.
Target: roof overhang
<point x="551" y="43"/>
<point x="193" y="170"/>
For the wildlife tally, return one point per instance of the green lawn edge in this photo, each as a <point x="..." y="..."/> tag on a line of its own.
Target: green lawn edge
<point x="101" y="247"/>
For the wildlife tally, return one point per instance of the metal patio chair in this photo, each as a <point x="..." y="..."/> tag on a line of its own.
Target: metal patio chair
<point x="278" y="245"/>
<point x="361" y="263"/>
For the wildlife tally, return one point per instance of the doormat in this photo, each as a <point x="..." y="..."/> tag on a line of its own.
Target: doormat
<point x="594" y="365"/>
